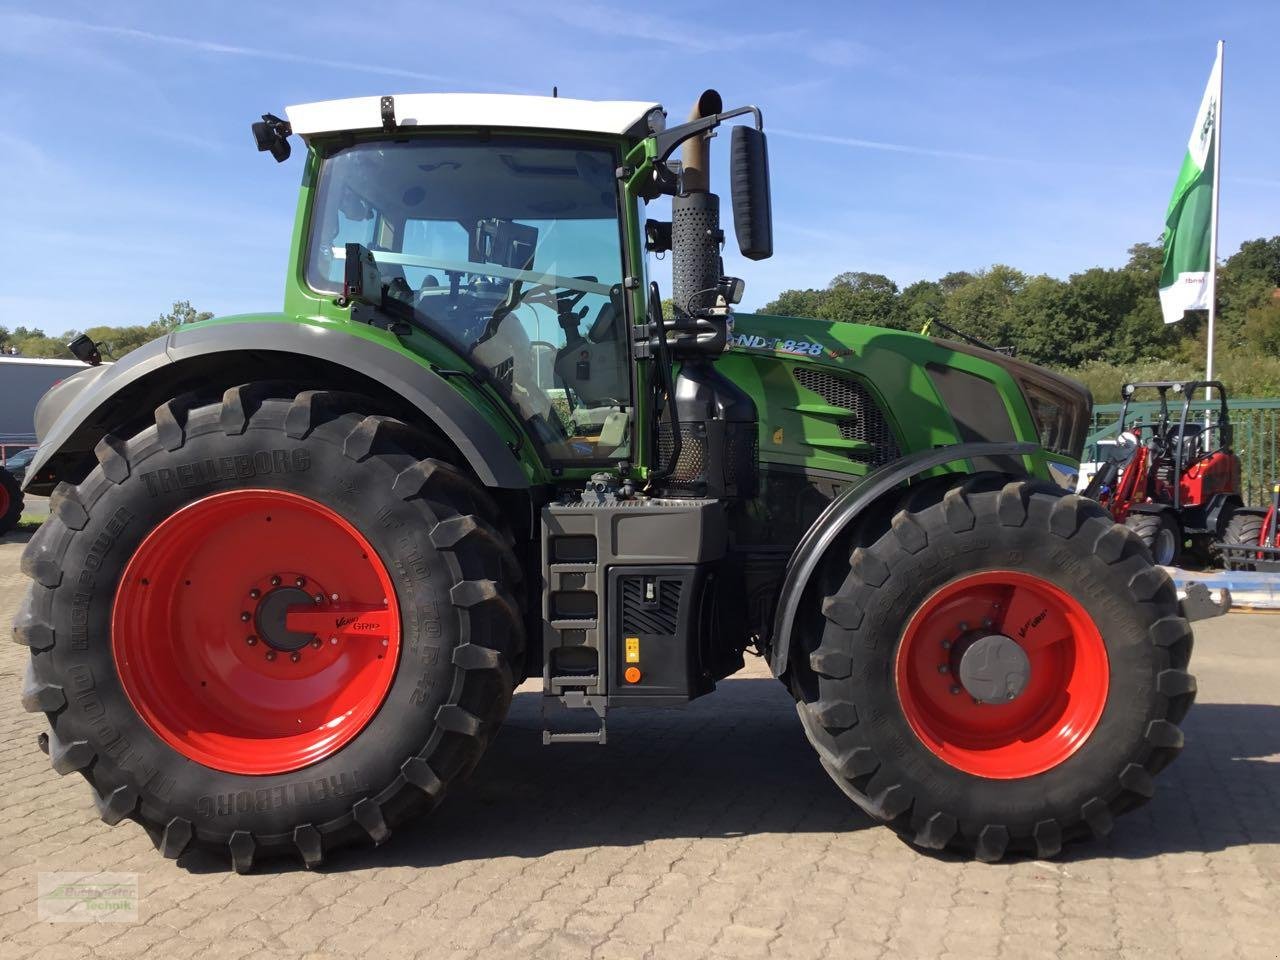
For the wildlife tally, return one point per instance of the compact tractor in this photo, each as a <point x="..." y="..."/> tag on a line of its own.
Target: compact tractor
<point x="297" y="562"/>
<point x="1179" y="484"/>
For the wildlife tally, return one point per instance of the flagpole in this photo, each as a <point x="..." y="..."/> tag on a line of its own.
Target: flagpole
<point x="1213" y="229"/>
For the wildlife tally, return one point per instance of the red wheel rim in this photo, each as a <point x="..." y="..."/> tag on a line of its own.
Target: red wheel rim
<point x="4" y="501"/>
<point x="256" y="631"/>
<point x="1065" y="689"/>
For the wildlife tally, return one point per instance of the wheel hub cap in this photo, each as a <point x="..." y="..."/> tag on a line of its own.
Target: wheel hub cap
<point x="994" y="669"/>
<point x="272" y="613"/>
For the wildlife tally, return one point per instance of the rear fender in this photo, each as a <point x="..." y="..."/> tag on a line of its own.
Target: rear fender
<point x="74" y="414"/>
<point x="866" y="494"/>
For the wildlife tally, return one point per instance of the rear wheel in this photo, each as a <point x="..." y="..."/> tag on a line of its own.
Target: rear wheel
<point x="269" y="625"/>
<point x="1244" y="527"/>
<point x="1003" y="671"/>
<point x="1160" y="533"/>
<point x="10" y="501"/>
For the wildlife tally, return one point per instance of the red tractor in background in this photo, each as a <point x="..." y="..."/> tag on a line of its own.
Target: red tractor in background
<point x="1179" y="488"/>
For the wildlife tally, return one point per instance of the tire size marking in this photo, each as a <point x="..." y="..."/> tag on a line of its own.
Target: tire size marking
<point x="109" y="742"/>
<point x="299" y="793"/>
<point x="82" y="595"/>
<point x="242" y="466"/>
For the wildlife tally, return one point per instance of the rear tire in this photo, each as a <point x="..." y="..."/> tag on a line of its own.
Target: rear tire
<point x="1244" y="527"/>
<point x="426" y="525"/>
<point x="978" y="786"/>
<point x="11" y="501"/>
<point x="1160" y="534"/>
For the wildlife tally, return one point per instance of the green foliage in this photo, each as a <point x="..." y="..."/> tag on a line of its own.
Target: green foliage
<point x="114" y="341"/>
<point x="1103" y="323"/>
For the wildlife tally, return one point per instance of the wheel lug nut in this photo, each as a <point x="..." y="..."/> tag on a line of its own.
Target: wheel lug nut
<point x="943" y="668"/>
<point x="334" y="641"/>
<point x="251" y="640"/>
<point x="946" y="644"/>
<point x="300" y="581"/>
<point x="963" y="626"/>
<point x="955" y="690"/>
<point x="318" y="598"/>
<point x="295" y="656"/>
<point x="987" y="623"/>
<point x="271" y="654"/>
<point x="316" y="643"/>
<point x="255" y="593"/>
<point x="246" y="616"/>
<point x="275" y="581"/>
<point x="333" y="596"/>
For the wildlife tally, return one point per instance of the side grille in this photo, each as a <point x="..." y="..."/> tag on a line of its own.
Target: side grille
<point x="650" y="618"/>
<point x="867" y="424"/>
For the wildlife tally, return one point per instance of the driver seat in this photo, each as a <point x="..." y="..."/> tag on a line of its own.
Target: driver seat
<point x="594" y="367"/>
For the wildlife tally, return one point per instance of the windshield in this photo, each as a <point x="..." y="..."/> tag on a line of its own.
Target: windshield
<point x="509" y="249"/>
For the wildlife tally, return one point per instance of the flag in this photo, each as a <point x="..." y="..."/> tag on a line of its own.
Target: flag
<point x="1186" y="280"/>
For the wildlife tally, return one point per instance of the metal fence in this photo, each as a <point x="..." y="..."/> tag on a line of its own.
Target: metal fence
<point x="1257" y="437"/>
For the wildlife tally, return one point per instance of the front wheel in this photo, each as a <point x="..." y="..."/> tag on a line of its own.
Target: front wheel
<point x="1003" y="671"/>
<point x="1159" y="533"/>
<point x="269" y="626"/>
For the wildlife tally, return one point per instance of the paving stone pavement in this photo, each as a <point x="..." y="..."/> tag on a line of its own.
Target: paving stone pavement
<point x="704" y="832"/>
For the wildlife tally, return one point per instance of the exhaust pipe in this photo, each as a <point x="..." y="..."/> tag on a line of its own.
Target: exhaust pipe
<point x="695" y="220"/>
<point x="694" y="152"/>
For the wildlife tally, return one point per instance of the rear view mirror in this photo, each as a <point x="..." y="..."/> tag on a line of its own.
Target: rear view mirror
<point x="752" y="210"/>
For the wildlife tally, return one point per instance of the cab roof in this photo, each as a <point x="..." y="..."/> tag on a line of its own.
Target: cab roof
<point x="619" y="117"/>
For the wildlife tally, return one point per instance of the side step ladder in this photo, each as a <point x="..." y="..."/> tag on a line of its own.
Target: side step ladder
<point x="573" y="700"/>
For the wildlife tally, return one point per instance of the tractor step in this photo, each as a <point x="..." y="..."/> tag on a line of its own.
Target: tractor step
<point x="583" y="736"/>
<point x="574" y="701"/>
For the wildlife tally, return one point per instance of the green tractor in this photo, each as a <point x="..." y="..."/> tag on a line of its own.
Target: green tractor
<point x="298" y="562"/>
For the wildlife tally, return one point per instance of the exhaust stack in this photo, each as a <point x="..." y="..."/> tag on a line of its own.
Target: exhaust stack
<point x="709" y="431"/>
<point x="695" y="221"/>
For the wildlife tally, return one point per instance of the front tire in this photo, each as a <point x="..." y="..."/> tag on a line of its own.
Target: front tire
<point x="1160" y="534"/>
<point x="269" y="626"/>
<point x="1002" y="671"/>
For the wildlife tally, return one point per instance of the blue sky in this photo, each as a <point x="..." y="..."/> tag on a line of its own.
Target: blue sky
<point x="908" y="139"/>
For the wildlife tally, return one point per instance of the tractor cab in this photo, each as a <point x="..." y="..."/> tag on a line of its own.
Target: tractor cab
<point x="509" y="231"/>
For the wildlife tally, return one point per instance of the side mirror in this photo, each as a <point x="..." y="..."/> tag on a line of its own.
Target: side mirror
<point x="85" y="350"/>
<point x="272" y="135"/>
<point x="752" y="210"/>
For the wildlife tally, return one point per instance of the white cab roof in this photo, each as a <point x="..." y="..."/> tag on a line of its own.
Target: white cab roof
<point x="471" y="110"/>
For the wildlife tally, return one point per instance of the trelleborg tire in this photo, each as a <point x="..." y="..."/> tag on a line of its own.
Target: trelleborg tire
<point x="269" y="626"/>
<point x="1002" y="671"/>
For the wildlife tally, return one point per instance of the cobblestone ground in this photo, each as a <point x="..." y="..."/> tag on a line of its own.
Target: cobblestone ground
<point x="704" y="832"/>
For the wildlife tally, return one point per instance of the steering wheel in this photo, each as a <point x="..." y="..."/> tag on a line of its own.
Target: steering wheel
<point x="543" y="293"/>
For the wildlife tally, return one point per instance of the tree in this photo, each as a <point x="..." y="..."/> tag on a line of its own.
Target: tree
<point x="921" y="302"/>
<point x="983" y="306"/>
<point x="182" y="312"/>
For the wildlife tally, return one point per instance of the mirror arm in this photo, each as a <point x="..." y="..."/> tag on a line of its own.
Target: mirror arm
<point x="667" y="141"/>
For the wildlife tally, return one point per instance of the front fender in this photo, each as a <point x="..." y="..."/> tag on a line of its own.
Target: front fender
<point x="844" y="509"/>
<point x="72" y="409"/>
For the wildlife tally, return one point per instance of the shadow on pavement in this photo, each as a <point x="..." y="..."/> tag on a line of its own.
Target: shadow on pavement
<point x="20" y="535"/>
<point x="737" y="763"/>
<point x="1222" y="792"/>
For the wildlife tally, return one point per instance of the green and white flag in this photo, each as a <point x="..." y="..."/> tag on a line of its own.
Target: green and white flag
<point x="1186" y="280"/>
